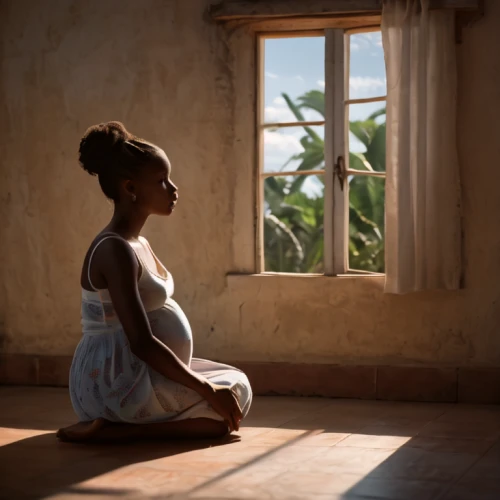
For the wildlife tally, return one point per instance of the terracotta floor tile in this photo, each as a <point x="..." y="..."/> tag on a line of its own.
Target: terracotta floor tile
<point x="242" y="482"/>
<point x="475" y="488"/>
<point x="461" y="430"/>
<point x="330" y="423"/>
<point x="472" y="414"/>
<point x="312" y="483"/>
<point x="323" y="438"/>
<point x="247" y="431"/>
<point x="406" y="429"/>
<point x="271" y="412"/>
<point x="353" y="407"/>
<point x="231" y="491"/>
<point x="362" y="440"/>
<point x="394" y="489"/>
<point x="458" y="493"/>
<point x="273" y="456"/>
<point x="415" y="412"/>
<point x="382" y="436"/>
<point x="447" y="445"/>
<point x="270" y="404"/>
<point x="347" y="460"/>
<point x="248" y="475"/>
<point x="416" y="464"/>
<point x="134" y="477"/>
<point x="145" y="480"/>
<point x="486" y="467"/>
<point x="279" y="437"/>
<point x="289" y="448"/>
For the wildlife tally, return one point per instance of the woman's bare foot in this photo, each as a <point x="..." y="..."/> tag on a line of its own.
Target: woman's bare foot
<point x="104" y="431"/>
<point x="82" y="431"/>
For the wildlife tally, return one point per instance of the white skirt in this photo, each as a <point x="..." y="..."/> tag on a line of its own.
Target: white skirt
<point x="107" y="380"/>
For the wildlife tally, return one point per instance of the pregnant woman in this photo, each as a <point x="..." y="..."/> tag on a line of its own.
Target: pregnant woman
<point x="133" y="375"/>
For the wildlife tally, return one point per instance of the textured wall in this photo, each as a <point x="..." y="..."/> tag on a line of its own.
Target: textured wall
<point x="172" y="76"/>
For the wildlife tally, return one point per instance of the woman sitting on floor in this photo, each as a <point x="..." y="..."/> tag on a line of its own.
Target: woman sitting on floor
<point x="133" y="375"/>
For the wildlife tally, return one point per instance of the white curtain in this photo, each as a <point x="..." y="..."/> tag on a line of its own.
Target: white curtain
<point x="423" y="217"/>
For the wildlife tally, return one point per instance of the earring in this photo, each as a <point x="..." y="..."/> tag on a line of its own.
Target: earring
<point x="134" y="197"/>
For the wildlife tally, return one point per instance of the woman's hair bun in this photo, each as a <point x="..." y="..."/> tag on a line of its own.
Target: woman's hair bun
<point x="100" y="144"/>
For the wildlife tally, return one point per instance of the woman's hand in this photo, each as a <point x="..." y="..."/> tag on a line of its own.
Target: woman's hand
<point x="224" y="402"/>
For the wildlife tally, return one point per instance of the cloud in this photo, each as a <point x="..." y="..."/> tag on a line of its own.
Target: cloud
<point x="360" y="86"/>
<point x="287" y="142"/>
<point x="270" y="75"/>
<point x="277" y="111"/>
<point x="375" y="37"/>
<point x="363" y="84"/>
<point x="279" y="147"/>
<point x="299" y="78"/>
<point x="282" y="114"/>
<point x="363" y="41"/>
<point x="278" y="114"/>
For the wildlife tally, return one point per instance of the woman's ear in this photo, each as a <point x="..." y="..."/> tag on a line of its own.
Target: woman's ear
<point x="129" y="189"/>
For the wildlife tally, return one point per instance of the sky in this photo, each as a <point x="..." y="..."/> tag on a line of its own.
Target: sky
<point x="295" y="66"/>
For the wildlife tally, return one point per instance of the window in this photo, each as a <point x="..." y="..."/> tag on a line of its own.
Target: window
<point x="321" y="153"/>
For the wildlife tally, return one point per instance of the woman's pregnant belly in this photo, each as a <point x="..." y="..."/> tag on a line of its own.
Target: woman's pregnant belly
<point x="170" y="325"/>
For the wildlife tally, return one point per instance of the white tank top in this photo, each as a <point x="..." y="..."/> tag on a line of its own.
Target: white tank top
<point x="155" y="289"/>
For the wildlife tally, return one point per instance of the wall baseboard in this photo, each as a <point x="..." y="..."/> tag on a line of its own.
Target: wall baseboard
<point x="390" y="383"/>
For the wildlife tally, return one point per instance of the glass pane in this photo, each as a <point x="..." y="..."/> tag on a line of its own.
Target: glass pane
<point x="293" y="224"/>
<point x="367" y="66"/>
<point x="294" y="69"/>
<point x="367" y="136"/>
<point x="294" y="148"/>
<point x="366" y="223"/>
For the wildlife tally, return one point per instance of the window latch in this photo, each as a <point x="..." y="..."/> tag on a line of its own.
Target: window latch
<point x="340" y="171"/>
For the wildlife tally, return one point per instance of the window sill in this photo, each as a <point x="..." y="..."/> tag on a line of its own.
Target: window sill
<point x="304" y="282"/>
<point x="237" y="276"/>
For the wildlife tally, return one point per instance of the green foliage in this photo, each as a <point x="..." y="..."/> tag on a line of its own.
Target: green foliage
<point x="293" y="222"/>
<point x="293" y="229"/>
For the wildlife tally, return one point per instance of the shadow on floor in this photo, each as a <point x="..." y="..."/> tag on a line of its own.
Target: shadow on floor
<point x="40" y="466"/>
<point x="438" y="464"/>
<point x="40" y="408"/>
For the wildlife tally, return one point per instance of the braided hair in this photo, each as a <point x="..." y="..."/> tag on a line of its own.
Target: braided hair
<point x="112" y="153"/>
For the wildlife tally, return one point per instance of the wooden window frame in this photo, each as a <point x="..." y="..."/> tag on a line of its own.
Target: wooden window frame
<point x="237" y="10"/>
<point x="336" y="123"/>
<point x="289" y="18"/>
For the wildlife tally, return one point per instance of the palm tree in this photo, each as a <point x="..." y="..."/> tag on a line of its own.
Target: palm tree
<point x="293" y="232"/>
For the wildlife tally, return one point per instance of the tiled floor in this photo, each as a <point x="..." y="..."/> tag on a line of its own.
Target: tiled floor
<point x="290" y="448"/>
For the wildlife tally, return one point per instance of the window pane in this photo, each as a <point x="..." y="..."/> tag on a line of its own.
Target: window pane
<point x="294" y="148"/>
<point x="293" y="224"/>
<point x="294" y="68"/>
<point x="366" y="223"/>
<point x="367" y="136"/>
<point x="367" y="67"/>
